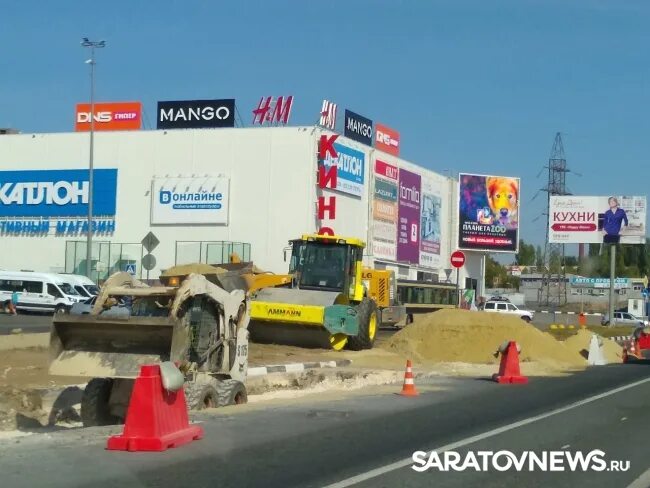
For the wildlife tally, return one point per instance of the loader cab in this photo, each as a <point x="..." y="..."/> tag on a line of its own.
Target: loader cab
<point x="326" y="263"/>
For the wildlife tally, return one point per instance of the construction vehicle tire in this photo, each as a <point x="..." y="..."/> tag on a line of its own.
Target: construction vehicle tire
<point x="201" y="395"/>
<point x="95" y="409"/>
<point x="231" y="392"/>
<point x="367" y="311"/>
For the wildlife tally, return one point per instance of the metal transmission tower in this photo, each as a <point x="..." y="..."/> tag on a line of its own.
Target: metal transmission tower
<point x="553" y="291"/>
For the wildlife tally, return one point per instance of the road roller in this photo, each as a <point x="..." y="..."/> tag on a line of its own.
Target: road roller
<point x="325" y="304"/>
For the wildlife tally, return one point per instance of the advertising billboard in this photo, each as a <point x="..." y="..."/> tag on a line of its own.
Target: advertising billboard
<point x="56" y="193"/>
<point x="109" y="116"/>
<point x="350" y="167"/>
<point x="190" y="200"/>
<point x="384" y="211"/>
<point x="358" y="128"/>
<point x="430" y="230"/>
<point x="592" y="220"/>
<point x="196" y="114"/>
<point x="387" y="139"/>
<point x="408" y="224"/>
<point x="488" y="213"/>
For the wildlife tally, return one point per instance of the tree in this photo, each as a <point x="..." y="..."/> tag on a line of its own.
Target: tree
<point x="526" y="254"/>
<point x="539" y="258"/>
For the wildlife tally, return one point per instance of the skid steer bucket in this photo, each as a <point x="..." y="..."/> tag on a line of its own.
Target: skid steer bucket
<point x="97" y="346"/>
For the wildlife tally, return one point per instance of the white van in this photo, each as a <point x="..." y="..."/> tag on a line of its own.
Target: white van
<point x="84" y="285"/>
<point x="37" y="292"/>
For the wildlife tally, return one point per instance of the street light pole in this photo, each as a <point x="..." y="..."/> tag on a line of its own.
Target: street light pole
<point x="89" y="236"/>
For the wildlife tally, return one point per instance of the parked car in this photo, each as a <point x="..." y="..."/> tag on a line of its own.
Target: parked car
<point x="83" y="308"/>
<point x="623" y="318"/>
<point x="507" y="307"/>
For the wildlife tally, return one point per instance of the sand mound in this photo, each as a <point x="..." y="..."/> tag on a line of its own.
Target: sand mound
<point x="473" y="337"/>
<point x="579" y="343"/>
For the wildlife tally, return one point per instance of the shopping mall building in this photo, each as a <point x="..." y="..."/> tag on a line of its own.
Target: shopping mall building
<point x="205" y="193"/>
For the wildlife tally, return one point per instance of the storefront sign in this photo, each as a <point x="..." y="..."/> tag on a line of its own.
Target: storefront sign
<point x="430" y="226"/>
<point x="350" y="165"/>
<point x="328" y="115"/>
<point x="196" y="114"/>
<point x="387" y="139"/>
<point x="190" y="200"/>
<point x="408" y="225"/>
<point x="358" y="128"/>
<point x="109" y="116"/>
<point x="385" y="190"/>
<point x="56" y="193"/>
<point x="386" y="170"/>
<point x="273" y="110"/>
<point x="327" y="180"/>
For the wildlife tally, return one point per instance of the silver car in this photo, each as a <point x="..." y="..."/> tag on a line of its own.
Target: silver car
<point x="623" y="318"/>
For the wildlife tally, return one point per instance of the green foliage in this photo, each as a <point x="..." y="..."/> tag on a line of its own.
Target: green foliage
<point x="526" y="254"/>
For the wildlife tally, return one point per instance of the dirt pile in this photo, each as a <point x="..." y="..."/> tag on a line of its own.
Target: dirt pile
<point x="473" y="337"/>
<point x="579" y="343"/>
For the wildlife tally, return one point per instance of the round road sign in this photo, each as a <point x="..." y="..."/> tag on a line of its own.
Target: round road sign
<point x="457" y="259"/>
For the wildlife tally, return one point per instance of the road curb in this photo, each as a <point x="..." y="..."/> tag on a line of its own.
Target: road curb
<point x="569" y="313"/>
<point x="297" y="367"/>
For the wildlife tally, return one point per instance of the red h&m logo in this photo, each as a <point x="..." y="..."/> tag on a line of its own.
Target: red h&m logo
<point x="328" y="115"/>
<point x="273" y="110"/>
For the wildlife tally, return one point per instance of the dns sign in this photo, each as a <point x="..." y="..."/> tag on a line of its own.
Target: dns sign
<point x="327" y="178"/>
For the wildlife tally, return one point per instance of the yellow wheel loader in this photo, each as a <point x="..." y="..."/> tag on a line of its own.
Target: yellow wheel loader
<point x="190" y="321"/>
<point x="326" y="303"/>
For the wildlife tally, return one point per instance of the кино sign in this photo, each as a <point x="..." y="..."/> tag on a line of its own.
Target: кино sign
<point x="196" y="114"/>
<point x="190" y="200"/>
<point x="56" y="193"/>
<point x="358" y="128"/>
<point x="109" y="116"/>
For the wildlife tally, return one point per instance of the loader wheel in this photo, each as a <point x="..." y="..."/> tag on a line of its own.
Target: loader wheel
<point x="201" y="395"/>
<point x="94" y="403"/>
<point x="231" y="392"/>
<point x="367" y="311"/>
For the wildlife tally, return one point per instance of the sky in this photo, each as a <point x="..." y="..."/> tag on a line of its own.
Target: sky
<point x="472" y="86"/>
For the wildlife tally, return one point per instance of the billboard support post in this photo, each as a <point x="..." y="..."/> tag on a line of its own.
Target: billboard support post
<point x="612" y="278"/>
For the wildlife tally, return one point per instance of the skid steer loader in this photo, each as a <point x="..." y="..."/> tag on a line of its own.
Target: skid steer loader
<point x="326" y="304"/>
<point x="196" y="324"/>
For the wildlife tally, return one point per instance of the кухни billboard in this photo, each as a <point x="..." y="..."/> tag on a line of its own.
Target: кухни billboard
<point x="488" y="213"/>
<point x="591" y="220"/>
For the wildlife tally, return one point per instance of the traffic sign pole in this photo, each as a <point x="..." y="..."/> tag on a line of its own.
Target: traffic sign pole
<point x="457" y="259"/>
<point x="457" y="287"/>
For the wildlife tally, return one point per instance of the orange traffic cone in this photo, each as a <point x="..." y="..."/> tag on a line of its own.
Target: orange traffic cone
<point x="509" y="367"/>
<point x="409" y="386"/>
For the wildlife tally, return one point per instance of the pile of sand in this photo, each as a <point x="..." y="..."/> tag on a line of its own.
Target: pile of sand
<point x="579" y="343"/>
<point x="473" y="337"/>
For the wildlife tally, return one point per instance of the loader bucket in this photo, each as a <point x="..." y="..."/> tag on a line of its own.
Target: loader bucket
<point x="96" y="346"/>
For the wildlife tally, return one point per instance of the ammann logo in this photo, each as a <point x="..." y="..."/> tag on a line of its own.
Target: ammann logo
<point x="284" y="312"/>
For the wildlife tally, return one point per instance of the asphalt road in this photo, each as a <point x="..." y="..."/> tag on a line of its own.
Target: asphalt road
<point x="319" y="443"/>
<point x="29" y="323"/>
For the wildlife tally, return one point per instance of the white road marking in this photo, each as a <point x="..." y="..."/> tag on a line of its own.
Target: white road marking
<point x="565" y="446"/>
<point x="374" y="473"/>
<point x="642" y="481"/>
